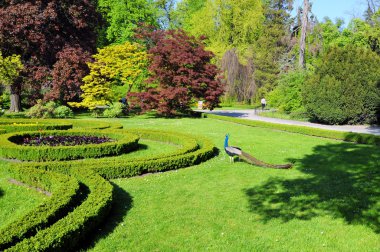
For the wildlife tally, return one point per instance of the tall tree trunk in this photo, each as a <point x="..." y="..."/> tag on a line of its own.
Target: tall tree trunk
<point x="302" y="62"/>
<point x="15" y="98"/>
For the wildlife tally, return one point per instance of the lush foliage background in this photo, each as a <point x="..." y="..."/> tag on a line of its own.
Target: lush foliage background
<point x="254" y="44"/>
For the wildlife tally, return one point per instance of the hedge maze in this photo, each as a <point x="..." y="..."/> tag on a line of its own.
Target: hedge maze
<point x="77" y="176"/>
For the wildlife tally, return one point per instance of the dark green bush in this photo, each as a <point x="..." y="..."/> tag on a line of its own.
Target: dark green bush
<point x="345" y="87"/>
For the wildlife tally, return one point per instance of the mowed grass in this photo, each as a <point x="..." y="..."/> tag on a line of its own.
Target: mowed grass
<point x="329" y="201"/>
<point x="15" y="200"/>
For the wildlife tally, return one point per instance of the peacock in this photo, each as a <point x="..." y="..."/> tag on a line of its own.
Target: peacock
<point x="236" y="151"/>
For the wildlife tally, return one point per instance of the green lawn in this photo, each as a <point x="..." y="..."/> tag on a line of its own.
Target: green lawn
<point x="15" y="200"/>
<point x="329" y="201"/>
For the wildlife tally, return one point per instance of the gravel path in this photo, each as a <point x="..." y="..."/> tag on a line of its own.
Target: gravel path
<point x="252" y="115"/>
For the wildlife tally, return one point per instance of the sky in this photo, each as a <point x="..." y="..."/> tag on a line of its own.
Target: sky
<point x="346" y="9"/>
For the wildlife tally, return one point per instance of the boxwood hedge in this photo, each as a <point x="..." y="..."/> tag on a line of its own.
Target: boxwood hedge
<point x="66" y="233"/>
<point x="124" y="142"/>
<point x="119" y="167"/>
<point x="64" y="191"/>
<point x="16" y="125"/>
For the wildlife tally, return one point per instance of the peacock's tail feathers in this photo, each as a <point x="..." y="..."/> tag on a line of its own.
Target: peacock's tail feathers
<point x="252" y="160"/>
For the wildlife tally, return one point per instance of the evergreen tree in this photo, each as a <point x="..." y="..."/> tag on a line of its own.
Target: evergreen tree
<point x="345" y="86"/>
<point x="272" y="44"/>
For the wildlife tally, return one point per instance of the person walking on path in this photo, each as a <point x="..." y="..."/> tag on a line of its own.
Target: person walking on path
<point x="263" y="103"/>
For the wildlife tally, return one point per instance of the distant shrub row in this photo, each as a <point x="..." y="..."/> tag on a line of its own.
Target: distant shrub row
<point x="339" y="135"/>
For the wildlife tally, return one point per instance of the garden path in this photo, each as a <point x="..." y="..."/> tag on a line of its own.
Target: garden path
<point x="251" y="114"/>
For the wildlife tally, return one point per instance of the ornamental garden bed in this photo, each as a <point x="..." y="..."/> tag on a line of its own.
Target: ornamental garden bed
<point x="38" y="146"/>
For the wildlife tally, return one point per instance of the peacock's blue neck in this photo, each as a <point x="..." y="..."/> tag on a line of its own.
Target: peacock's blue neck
<point x="226" y="141"/>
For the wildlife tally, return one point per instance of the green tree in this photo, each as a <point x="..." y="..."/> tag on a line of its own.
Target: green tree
<point x="272" y="44"/>
<point x="123" y="17"/>
<point x="184" y="12"/>
<point x="345" y="86"/>
<point x="117" y="70"/>
<point x="10" y="68"/>
<point x="287" y="96"/>
<point x="226" y="24"/>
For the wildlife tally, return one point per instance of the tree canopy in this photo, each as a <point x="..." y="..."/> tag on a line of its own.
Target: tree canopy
<point x="182" y="70"/>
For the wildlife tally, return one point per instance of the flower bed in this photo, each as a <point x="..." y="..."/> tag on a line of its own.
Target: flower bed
<point x="63" y="140"/>
<point x="123" y="143"/>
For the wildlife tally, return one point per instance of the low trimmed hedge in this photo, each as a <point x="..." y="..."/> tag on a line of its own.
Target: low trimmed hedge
<point x="339" y="135"/>
<point x="64" y="191"/>
<point x="111" y="168"/>
<point x="124" y="143"/>
<point x="68" y="232"/>
<point x="2" y="131"/>
<point x="54" y="124"/>
<point x="93" y="124"/>
<point x="16" y="125"/>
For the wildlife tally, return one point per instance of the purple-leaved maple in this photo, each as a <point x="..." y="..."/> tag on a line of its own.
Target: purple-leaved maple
<point x="182" y="70"/>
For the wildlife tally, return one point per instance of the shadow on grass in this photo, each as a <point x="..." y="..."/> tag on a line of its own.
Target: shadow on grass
<point x="341" y="180"/>
<point x="122" y="203"/>
<point x="1" y="193"/>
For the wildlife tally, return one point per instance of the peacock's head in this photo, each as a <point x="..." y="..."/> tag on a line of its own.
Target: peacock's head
<point x="226" y="140"/>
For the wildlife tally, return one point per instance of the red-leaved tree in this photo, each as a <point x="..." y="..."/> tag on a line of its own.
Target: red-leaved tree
<point x="181" y="69"/>
<point x="67" y="74"/>
<point x="39" y="31"/>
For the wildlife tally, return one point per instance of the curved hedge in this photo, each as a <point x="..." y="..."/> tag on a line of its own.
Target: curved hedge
<point x="64" y="191"/>
<point x="16" y="125"/>
<point x="65" y="234"/>
<point x="93" y="124"/>
<point x="116" y="167"/>
<point x="124" y="142"/>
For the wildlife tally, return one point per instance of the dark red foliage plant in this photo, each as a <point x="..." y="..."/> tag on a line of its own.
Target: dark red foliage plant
<point x="181" y="69"/>
<point x="67" y="75"/>
<point x="44" y="32"/>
